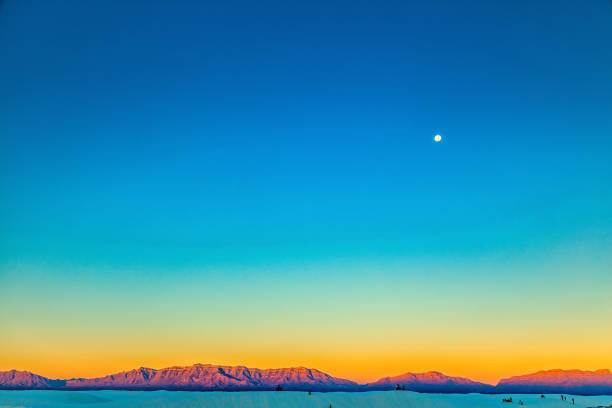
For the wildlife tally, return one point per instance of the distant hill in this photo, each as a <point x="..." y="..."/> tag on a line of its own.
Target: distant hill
<point x="26" y="380"/>
<point x="208" y="377"/>
<point x="559" y="381"/>
<point x="431" y="381"/>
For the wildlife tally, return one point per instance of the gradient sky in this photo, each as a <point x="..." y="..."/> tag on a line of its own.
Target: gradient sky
<point x="256" y="183"/>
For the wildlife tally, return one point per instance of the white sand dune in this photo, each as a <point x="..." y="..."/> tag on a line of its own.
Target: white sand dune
<point x="374" y="399"/>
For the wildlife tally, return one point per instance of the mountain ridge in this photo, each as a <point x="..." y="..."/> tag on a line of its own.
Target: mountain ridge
<point x="211" y="377"/>
<point x="430" y="381"/>
<point x="195" y="377"/>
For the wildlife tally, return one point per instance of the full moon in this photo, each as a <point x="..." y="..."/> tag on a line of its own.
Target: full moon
<point x="438" y="138"/>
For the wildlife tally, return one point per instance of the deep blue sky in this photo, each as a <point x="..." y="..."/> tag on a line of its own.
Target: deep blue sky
<point x="147" y="139"/>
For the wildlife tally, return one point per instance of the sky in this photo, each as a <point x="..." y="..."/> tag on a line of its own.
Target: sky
<point x="257" y="183"/>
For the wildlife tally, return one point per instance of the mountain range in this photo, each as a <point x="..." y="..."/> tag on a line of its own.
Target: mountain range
<point x="208" y="377"/>
<point x="205" y="377"/>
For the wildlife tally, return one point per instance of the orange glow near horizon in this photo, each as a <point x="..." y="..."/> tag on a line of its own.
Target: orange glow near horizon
<point x="487" y="367"/>
<point x="483" y="336"/>
<point x="486" y="328"/>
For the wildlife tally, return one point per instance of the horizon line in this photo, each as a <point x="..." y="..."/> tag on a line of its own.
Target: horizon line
<point x="357" y="382"/>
